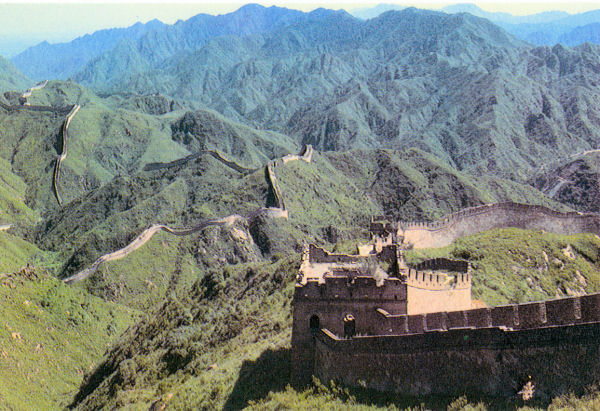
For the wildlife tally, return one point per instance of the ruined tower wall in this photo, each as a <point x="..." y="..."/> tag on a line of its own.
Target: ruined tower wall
<point x="429" y="292"/>
<point x="486" y="217"/>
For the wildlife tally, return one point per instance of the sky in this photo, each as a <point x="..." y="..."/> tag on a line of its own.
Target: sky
<point x="25" y="24"/>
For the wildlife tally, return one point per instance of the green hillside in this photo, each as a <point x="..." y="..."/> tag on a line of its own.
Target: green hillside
<point x="455" y="85"/>
<point x="225" y="343"/>
<point x="413" y="115"/>
<point x="11" y="78"/>
<point x="51" y="335"/>
<point x="575" y="181"/>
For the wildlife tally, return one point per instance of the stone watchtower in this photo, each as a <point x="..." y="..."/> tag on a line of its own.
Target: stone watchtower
<point x="350" y="295"/>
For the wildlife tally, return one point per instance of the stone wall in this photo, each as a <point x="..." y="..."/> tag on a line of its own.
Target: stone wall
<point x="430" y="292"/>
<point x="487" y="351"/>
<point x="57" y="110"/>
<point x="488" y="361"/>
<point x="476" y="219"/>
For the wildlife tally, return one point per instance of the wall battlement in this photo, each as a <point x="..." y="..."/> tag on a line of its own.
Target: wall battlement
<point x="317" y="255"/>
<point x="552" y="313"/>
<point x="446" y="264"/>
<point x="435" y="281"/>
<point x="351" y="288"/>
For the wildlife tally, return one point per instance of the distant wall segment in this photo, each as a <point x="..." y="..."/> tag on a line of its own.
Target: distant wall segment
<point x="499" y="215"/>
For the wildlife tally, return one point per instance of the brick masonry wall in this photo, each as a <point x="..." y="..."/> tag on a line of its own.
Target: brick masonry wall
<point x="485" y="361"/>
<point x="487" y="350"/>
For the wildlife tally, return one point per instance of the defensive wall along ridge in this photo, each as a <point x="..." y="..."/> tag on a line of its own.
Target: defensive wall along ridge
<point x="63" y="155"/>
<point x="488" y="351"/>
<point x="146" y="235"/>
<point x="215" y="154"/>
<point x="499" y="215"/>
<point x="28" y="93"/>
<point x="68" y="111"/>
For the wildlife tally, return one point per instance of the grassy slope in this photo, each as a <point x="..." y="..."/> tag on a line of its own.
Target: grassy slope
<point x="50" y="335"/>
<point x="226" y="343"/>
<point x="169" y="264"/>
<point x="12" y="197"/>
<point x="108" y="218"/>
<point x="16" y="252"/>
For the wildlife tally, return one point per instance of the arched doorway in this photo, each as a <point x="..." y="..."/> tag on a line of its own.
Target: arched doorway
<point x="349" y="326"/>
<point x="314" y="323"/>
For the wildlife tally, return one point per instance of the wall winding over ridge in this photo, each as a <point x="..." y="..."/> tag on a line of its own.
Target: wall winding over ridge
<point x="215" y="154"/>
<point x="63" y="155"/>
<point x="146" y="235"/>
<point x="499" y="215"/>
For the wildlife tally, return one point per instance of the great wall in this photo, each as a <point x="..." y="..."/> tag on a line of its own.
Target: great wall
<point x="68" y="111"/>
<point x="415" y="330"/>
<point x="271" y="212"/>
<point x="489" y="216"/>
<point x="63" y="155"/>
<point x="215" y="154"/>
<point x="277" y="210"/>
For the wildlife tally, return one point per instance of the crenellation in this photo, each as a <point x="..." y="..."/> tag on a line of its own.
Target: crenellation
<point x="589" y="308"/>
<point x="479" y="318"/>
<point x="416" y="323"/>
<point x="505" y="316"/>
<point x="457" y="319"/>
<point x="435" y="321"/>
<point x="532" y="315"/>
<point x="562" y="312"/>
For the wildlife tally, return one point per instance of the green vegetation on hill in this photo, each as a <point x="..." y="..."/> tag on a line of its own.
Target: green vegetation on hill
<point x="51" y="335"/>
<point x="511" y="265"/>
<point x="169" y="264"/>
<point x="16" y="252"/>
<point x="344" y="189"/>
<point x="574" y="181"/>
<point x="110" y="217"/>
<point x="225" y="343"/>
<point x="13" y="209"/>
<point x="11" y="78"/>
<point x="191" y="348"/>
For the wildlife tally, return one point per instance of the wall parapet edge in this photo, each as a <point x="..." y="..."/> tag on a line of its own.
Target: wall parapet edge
<point x="543" y="314"/>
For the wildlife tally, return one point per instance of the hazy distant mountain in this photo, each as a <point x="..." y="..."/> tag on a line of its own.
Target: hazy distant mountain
<point x="130" y="56"/>
<point x="550" y="31"/>
<point x="366" y="13"/>
<point x="497" y="17"/>
<point x="11" y="78"/>
<point x="61" y="60"/>
<point x="588" y="33"/>
<point x="547" y="28"/>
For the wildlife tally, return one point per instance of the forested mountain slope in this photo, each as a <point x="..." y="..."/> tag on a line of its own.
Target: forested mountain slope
<point x="453" y="85"/>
